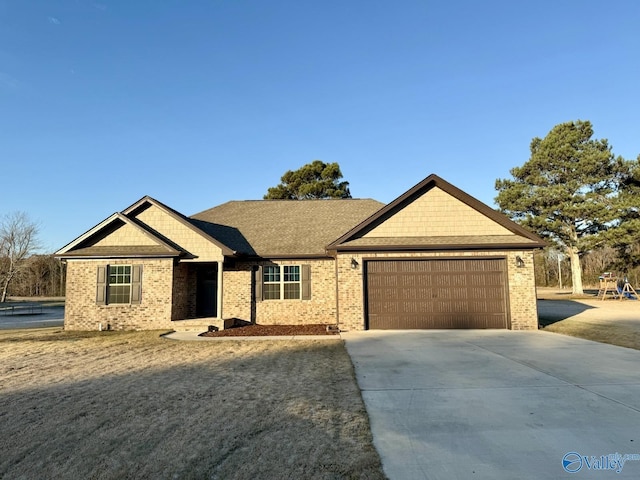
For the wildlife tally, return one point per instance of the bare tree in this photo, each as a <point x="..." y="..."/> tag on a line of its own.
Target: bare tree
<point x="18" y="240"/>
<point x="41" y="275"/>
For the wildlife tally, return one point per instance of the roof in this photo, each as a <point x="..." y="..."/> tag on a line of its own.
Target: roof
<point x="460" y="242"/>
<point x="284" y="228"/>
<point x="144" y="202"/>
<point x="153" y="251"/>
<point x="83" y="246"/>
<point x="303" y="228"/>
<point x="158" y="245"/>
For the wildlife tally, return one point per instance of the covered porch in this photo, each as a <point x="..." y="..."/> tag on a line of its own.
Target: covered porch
<point x="197" y="296"/>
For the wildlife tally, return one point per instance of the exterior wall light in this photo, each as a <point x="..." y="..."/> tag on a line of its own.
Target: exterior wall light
<point x="354" y="263"/>
<point x="519" y="261"/>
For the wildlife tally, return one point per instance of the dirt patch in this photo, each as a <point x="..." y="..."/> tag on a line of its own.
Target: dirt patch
<point x="114" y="405"/>
<point x="272" y="330"/>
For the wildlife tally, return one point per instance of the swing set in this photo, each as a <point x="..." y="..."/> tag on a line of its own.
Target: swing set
<point x="616" y="288"/>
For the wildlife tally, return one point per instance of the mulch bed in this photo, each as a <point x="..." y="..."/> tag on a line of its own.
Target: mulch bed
<point x="269" y="330"/>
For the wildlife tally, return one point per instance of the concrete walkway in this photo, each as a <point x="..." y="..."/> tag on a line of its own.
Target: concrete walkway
<point x="498" y="404"/>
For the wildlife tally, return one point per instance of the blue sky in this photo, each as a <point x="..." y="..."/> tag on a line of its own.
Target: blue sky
<point x="200" y="102"/>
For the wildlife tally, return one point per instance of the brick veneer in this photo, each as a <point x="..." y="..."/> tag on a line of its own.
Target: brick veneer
<point x="168" y="293"/>
<point x="321" y="308"/>
<point x="154" y="311"/>
<point x="184" y="291"/>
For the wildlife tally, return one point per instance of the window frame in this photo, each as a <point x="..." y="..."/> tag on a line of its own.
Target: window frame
<point x="119" y="297"/>
<point x="280" y="276"/>
<point x="103" y="283"/>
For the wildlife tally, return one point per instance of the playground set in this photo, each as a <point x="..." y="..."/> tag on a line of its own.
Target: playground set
<point x="619" y="288"/>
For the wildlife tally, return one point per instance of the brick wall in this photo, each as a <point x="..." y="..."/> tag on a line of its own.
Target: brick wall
<point x="237" y="294"/>
<point x="321" y="308"/>
<point x="168" y="293"/>
<point x="522" y="292"/>
<point x="521" y="284"/>
<point x="154" y="311"/>
<point x="184" y="291"/>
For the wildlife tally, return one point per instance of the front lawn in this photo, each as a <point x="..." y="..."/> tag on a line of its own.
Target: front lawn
<point x="135" y="405"/>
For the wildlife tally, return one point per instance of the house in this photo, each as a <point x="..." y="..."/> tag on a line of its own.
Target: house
<point x="433" y="258"/>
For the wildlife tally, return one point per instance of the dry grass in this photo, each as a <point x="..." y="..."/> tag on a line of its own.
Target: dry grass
<point x="134" y="405"/>
<point x="621" y="335"/>
<point x="616" y="322"/>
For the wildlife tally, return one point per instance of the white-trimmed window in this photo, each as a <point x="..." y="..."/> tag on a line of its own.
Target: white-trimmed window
<point x="284" y="282"/>
<point x="119" y="284"/>
<point x="119" y="287"/>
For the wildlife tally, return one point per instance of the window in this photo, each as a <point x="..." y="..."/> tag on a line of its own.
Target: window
<point x="119" y="287"/>
<point x="286" y="282"/>
<point x="119" y="284"/>
<point x="272" y="283"/>
<point x="291" y="281"/>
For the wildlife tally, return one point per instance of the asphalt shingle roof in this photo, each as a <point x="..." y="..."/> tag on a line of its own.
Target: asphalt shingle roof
<point x="271" y="228"/>
<point x="440" y="242"/>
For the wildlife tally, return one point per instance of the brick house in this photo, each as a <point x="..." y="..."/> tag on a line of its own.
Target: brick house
<point x="433" y="258"/>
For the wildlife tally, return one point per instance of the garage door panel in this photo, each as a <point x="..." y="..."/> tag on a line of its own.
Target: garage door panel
<point x="437" y="321"/>
<point x="438" y="293"/>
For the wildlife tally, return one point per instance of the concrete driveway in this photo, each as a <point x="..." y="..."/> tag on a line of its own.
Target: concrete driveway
<point x="499" y="404"/>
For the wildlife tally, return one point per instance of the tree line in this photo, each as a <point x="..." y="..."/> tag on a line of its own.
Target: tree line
<point x="39" y="276"/>
<point x="22" y="272"/>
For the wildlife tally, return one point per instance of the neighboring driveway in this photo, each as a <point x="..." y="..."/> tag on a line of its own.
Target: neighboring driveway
<point x="497" y="404"/>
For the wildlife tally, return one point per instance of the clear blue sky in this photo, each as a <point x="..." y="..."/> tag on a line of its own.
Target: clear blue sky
<point x="200" y="102"/>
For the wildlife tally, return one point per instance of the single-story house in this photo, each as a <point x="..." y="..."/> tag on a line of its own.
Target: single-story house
<point x="435" y="257"/>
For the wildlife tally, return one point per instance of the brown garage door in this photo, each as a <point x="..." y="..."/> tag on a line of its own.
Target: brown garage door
<point x="436" y="293"/>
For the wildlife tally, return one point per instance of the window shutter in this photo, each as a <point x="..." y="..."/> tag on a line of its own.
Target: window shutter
<point x="101" y="285"/>
<point x="257" y="283"/>
<point x="306" y="282"/>
<point x="136" y="284"/>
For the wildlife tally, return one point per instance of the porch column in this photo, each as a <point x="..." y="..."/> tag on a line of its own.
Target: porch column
<point x="220" y="264"/>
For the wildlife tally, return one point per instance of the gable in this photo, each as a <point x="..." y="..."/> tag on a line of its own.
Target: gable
<point x="146" y="229"/>
<point x="125" y="235"/>
<point x="436" y="213"/>
<point x="117" y="237"/>
<point x="179" y="232"/>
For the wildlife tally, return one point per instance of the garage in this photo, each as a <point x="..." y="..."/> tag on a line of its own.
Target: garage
<point x="452" y="293"/>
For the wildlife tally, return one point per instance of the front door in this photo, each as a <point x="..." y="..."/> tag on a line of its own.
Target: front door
<point x="207" y="293"/>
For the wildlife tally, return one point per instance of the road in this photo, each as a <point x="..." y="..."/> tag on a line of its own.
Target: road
<point x="44" y="317"/>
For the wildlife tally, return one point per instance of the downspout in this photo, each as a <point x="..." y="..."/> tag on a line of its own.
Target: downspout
<point x="219" y="292"/>
<point x="337" y="292"/>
